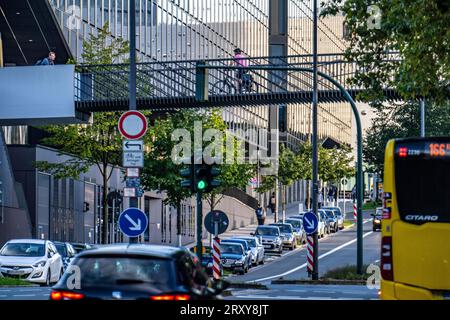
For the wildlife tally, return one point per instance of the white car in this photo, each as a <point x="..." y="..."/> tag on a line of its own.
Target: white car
<point x="32" y="260"/>
<point x="257" y="249"/>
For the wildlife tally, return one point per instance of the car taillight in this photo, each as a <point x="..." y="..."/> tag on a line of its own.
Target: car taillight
<point x="167" y="297"/>
<point x="387" y="269"/>
<point x="64" y="295"/>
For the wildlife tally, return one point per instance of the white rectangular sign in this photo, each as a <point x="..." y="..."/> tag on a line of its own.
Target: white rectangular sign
<point x="133" y="145"/>
<point x="132" y="172"/>
<point x="133" y="159"/>
<point x="129" y="192"/>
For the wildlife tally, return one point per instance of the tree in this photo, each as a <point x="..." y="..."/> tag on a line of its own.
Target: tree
<point x="400" y="122"/>
<point x="418" y="30"/>
<point x="98" y="143"/>
<point x="162" y="173"/>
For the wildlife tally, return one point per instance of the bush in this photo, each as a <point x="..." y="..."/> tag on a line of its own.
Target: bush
<point x="346" y="273"/>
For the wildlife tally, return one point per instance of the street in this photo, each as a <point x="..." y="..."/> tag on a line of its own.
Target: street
<point x="25" y="293"/>
<point x="306" y="292"/>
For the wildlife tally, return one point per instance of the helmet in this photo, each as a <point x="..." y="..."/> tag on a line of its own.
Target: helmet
<point x="237" y="50"/>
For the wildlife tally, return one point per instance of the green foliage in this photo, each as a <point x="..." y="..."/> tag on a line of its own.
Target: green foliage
<point x="402" y="121"/>
<point x="102" y="49"/>
<point x="161" y="173"/>
<point x="347" y="272"/>
<point x="418" y="29"/>
<point x="333" y="164"/>
<point x="5" y="281"/>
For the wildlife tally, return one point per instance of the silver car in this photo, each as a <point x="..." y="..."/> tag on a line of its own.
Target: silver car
<point x="338" y="213"/>
<point x="299" y="232"/>
<point x="257" y="249"/>
<point x="271" y="238"/>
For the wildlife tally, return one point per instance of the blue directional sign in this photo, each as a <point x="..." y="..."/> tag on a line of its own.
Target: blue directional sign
<point x="133" y="182"/>
<point x="310" y="222"/>
<point x="133" y="222"/>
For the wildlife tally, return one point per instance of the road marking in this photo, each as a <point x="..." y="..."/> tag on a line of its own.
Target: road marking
<point x="24" y="295"/>
<point x="297" y="290"/>
<point x="304" y="265"/>
<point x="324" y="291"/>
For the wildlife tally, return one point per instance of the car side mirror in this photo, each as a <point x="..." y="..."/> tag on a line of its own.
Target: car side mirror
<point x="252" y="233"/>
<point x="49" y="255"/>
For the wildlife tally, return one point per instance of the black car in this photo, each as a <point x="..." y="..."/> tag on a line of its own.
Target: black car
<point x="79" y="247"/>
<point x="67" y="252"/>
<point x="137" y="272"/>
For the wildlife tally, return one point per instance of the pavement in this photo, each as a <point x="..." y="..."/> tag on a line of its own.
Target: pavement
<point x="306" y="292"/>
<point x="25" y="293"/>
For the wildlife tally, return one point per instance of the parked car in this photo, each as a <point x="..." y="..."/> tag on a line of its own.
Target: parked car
<point x="257" y="249"/>
<point x="271" y="238"/>
<point x="137" y="271"/>
<point x="79" y="247"/>
<point x="332" y="219"/>
<point x="234" y="257"/>
<point x="376" y="220"/>
<point x="287" y="235"/>
<point x="299" y="232"/>
<point x="322" y="227"/>
<point x="36" y="261"/>
<point x="67" y="252"/>
<point x="338" y="213"/>
<point x="247" y="249"/>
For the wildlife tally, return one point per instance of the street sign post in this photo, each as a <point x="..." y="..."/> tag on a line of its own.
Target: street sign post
<point x="133" y="222"/>
<point x="132" y="125"/>
<point x="310" y="222"/>
<point x="216" y="222"/>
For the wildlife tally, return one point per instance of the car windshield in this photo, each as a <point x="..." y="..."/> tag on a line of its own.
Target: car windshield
<point x="295" y="223"/>
<point x="61" y="249"/>
<point x="330" y="214"/>
<point x="251" y="242"/>
<point x="267" y="232"/>
<point x="284" y="228"/>
<point x="243" y="242"/>
<point x="117" y="271"/>
<point x="226" y="248"/>
<point x="23" y="250"/>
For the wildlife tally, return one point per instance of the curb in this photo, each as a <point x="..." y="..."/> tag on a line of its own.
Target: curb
<point x="19" y="285"/>
<point x="243" y="285"/>
<point x="318" y="282"/>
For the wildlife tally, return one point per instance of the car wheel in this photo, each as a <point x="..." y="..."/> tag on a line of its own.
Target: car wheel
<point x="262" y="261"/>
<point x="242" y="271"/>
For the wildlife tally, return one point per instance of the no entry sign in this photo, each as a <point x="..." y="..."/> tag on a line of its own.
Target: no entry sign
<point x="132" y="125"/>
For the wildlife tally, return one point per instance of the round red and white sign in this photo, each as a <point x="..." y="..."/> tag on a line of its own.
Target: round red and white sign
<point x="132" y="125"/>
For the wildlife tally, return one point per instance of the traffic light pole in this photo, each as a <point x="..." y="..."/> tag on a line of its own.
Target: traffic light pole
<point x="199" y="225"/>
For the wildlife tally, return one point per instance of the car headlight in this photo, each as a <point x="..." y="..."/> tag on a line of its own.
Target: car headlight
<point x="377" y="221"/>
<point x="39" y="264"/>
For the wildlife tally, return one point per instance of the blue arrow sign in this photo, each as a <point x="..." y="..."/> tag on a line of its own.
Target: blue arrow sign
<point x="310" y="222"/>
<point x="133" y="222"/>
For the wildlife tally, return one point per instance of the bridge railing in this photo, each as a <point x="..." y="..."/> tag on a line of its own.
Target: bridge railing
<point x="176" y="79"/>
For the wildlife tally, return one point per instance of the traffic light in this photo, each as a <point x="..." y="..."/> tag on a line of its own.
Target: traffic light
<point x="188" y="174"/>
<point x="204" y="178"/>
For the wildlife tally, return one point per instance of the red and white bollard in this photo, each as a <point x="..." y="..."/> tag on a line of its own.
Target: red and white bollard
<point x="216" y="259"/>
<point x="355" y="212"/>
<point x="310" y="254"/>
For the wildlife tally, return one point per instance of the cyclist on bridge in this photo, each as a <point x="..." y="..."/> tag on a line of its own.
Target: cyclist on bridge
<point x="242" y="76"/>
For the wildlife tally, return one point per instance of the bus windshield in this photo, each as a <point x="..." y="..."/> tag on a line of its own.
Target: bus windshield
<point x="420" y="186"/>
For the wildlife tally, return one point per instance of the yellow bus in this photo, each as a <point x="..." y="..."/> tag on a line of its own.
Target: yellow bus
<point x="415" y="248"/>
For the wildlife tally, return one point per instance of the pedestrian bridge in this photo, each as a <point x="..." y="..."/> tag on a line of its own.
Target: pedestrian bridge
<point x="172" y="85"/>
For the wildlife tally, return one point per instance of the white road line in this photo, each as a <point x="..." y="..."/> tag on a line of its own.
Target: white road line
<point x="24" y="295"/>
<point x="324" y="291"/>
<point x="297" y="290"/>
<point x="304" y="265"/>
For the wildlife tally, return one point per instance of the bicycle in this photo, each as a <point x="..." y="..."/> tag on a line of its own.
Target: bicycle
<point x="244" y="84"/>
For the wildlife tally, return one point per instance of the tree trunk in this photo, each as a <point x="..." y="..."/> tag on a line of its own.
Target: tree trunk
<point x="283" y="202"/>
<point x="105" y="205"/>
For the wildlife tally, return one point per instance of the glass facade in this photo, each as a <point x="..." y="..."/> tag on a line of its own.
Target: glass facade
<point x="169" y="30"/>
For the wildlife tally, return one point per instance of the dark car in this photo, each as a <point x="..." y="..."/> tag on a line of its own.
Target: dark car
<point x="376" y="220"/>
<point x="248" y="250"/>
<point x="334" y="223"/>
<point x="67" y="252"/>
<point x="137" y="272"/>
<point x="79" y="247"/>
<point x="234" y="257"/>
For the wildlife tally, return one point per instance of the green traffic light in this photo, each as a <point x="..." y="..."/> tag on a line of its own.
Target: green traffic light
<point x="201" y="185"/>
